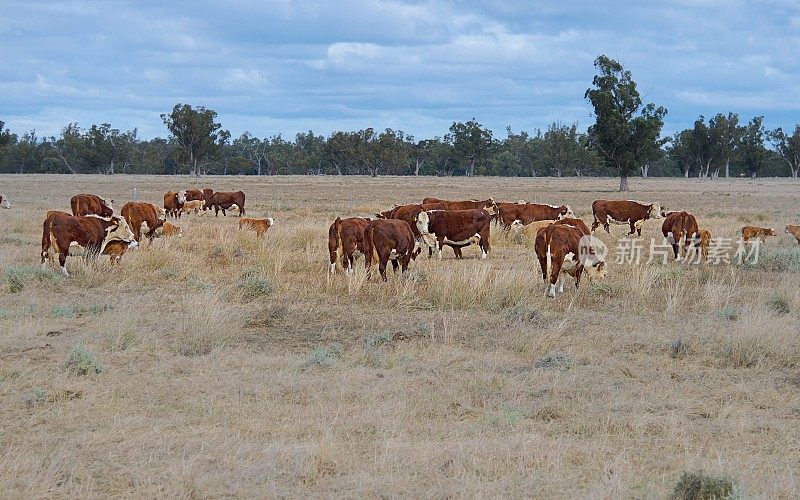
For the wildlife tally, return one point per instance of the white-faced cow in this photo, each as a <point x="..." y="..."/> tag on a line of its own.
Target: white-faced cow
<point x="90" y="204"/>
<point x="457" y="228"/>
<point x="680" y="229"/>
<point x="565" y="249"/>
<point x="634" y="213"/>
<point x="4" y="201"/>
<point x="526" y="213"/>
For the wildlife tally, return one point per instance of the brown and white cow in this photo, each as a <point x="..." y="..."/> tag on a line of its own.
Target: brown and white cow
<point x="488" y="205"/>
<point x="566" y="249"/>
<point x="223" y="201"/>
<point x="526" y="213"/>
<point x="794" y="231"/>
<point x="194" y="194"/>
<point x="345" y="238"/>
<point x="171" y="230"/>
<point x="705" y="242"/>
<point x="531" y="230"/>
<point x="193" y="206"/>
<point x="88" y="204"/>
<point x="680" y="229"/>
<point x="388" y="239"/>
<point x="172" y="204"/>
<point x="4" y="201"/>
<point x="750" y="232"/>
<point x="92" y="232"/>
<point x="457" y="228"/>
<point x="634" y="213"/>
<point x="260" y="226"/>
<point x="137" y="213"/>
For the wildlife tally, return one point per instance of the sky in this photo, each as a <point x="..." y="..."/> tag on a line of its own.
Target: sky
<point x="287" y="66"/>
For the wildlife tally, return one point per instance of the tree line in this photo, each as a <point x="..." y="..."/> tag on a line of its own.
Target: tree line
<point x="625" y="140"/>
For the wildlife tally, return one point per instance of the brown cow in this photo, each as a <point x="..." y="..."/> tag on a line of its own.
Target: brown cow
<point x="749" y="232"/>
<point x="115" y="250"/>
<point x="389" y="239"/>
<point x="345" y="238"/>
<point x="171" y="230"/>
<point x="531" y="230"/>
<point x="457" y="228"/>
<point x="138" y="213"/>
<point x="680" y="229"/>
<point x="530" y="212"/>
<point x="630" y="212"/>
<point x="488" y="205"/>
<point x="172" y="204"/>
<point x="562" y="248"/>
<point x="4" y="202"/>
<point x="705" y="242"/>
<point x="794" y="231"/>
<point x="88" y="204"/>
<point x="223" y="201"/>
<point x="260" y="226"/>
<point x="92" y="232"/>
<point x="409" y="214"/>
<point x="193" y="206"/>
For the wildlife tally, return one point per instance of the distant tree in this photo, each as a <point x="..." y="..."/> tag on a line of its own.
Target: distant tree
<point x="787" y="147"/>
<point x="198" y="136"/>
<point x="107" y="148"/>
<point x="623" y="140"/>
<point x="524" y="149"/>
<point x="753" y="153"/>
<point x="726" y="134"/>
<point x="562" y="147"/>
<point x="472" y="143"/>
<point x="252" y="149"/>
<point x="310" y="152"/>
<point x="69" y="147"/>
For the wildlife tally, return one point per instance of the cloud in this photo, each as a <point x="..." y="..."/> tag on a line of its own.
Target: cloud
<point x="290" y="65"/>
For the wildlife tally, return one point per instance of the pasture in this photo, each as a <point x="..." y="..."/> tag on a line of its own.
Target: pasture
<point x="219" y="364"/>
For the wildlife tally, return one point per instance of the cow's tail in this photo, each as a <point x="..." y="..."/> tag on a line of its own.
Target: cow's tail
<point x="372" y="248"/>
<point x="549" y="265"/>
<point x="338" y="232"/>
<point x="45" y="241"/>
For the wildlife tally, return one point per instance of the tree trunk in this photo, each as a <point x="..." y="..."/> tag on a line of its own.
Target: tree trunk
<point x="727" y="169"/>
<point x="753" y="175"/>
<point x="472" y="167"/>
<point x="110" y="169"/>
<point x="686" y="174"/>
<point x="623" y="183"/>
<point x="417" y="166"/>
<point x="645" y="170"/>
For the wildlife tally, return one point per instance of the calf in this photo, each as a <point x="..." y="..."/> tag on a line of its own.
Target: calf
<point x="172" y="204"/>
<point x="223" y="201"/>
<point x="193" y="206"/>
<point x="630" y="212"/>
<point x="458" y="228"/>
<point x="750" y="232"/>
<point x="92" y="232"/>
<point x="705" y="242"/>
<point x="529" y="231"/>
<point x="171" y="230"/>
<point x="680" y="229"/>
<point x="794" y="231"/>
<point x="345" y="238"/>
<point x="138" y="213"/>
<point x="562" y="248"/>
<point x="88" y="204"/>
<point x="4" y="202"/>
<point x="388" y="239"/>
<point x="526" y="213"/>
<point x="260" y="226"/>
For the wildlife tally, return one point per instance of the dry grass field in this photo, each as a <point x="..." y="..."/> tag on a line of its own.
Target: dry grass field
<point x="221" y="365"/>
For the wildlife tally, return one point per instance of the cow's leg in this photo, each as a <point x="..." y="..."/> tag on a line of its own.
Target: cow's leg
<point x="560" y="284"/>
<point x="439" y="245"/>
<point x="596" y="223"/>
<point x="578" y="274"/>
<point x="457" y="252"/>
<point x="405" y="260"/>
<point x="395" y="265"/>
<point x="556" y="262"/>
<point x="633" y="228"/>
<point x="62" y="260"/>
<point x="348" y="262"/>
<point x="384" y="259"/>
<point x="216" y="211"/>
<point x="224" y="214"/>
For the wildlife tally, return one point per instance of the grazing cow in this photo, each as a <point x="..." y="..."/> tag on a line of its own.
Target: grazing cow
<point x="457" y="228"/>
<point x="530" y="212"/>
<point x="488" y="205"/>
<point x="705" y="242"/>
<point x="260" y="226"/>
<point x="115" y="250"/>
<point x="92" y="232"/>
<point x="529" y="231"/>
<point x="388" y="239"/>
<point x="749" y="232"/>
<point x="794" y="231"/>
<point x="680" y="229"/>
<point x="171" y="230"/>
<point x="572" y="221"/>
<point x="345" y="238"/>
<point x="193" y="206"/>
<point x="137" y="213"/>
<point x="172" y="204"/>
<point x="223" y="201"/>
<point x="88" y="204"/>
<point x="562" y="248"/>
<point x="630" y="212"/>
<point x="4" y="202"/>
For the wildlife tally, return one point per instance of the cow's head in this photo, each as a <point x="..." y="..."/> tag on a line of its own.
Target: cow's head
<point x="656" y="212"/>
<point x="423" y="221"/>
<point x="117" y="229"/>
<point x="566" y="211"/>
<point x="793" y="230"/>
<point x="591" y="253"/>
<point x="109" y="203"/>
<point x="490" y="206"/>
<point x="182" y="196"/>
<point x="4" y="203"/>
<point x="162" y="213"/>
<point x="270" y="222"/>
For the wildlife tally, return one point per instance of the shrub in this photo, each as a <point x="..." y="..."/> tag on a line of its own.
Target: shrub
<point x="81" y="361"/>
<point x="555" y="360"/>
<point x="18" y="277"/>
<point x="64" y="311"/>
<point x="252" y="284"/>
<point x="779" y="305"/>
<point x="698" y="486"/>
<point x="35" y="397"/>
<point x="728" y="312"/>
<point x="325" y="356"/>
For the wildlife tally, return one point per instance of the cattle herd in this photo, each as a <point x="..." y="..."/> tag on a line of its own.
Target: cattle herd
<point x="562" y="242"/>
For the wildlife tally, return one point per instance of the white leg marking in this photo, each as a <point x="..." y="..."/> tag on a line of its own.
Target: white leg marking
<point x="552" y="291"/>
<point x="560" y="286"/>
<point x="332" y="268"/>
<point x="64" y="270"/>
